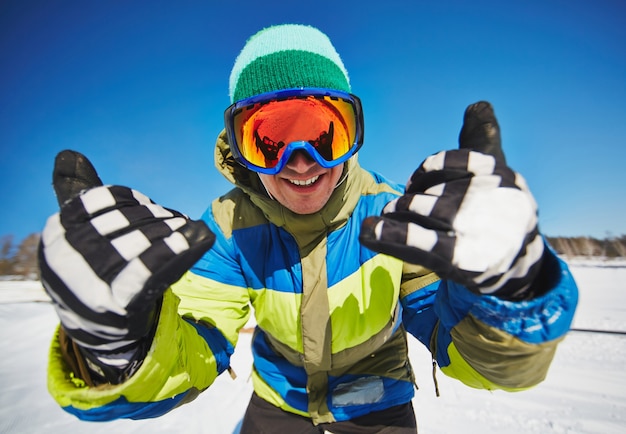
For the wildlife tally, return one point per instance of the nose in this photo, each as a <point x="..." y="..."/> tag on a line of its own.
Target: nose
<point x="300" y="161"/>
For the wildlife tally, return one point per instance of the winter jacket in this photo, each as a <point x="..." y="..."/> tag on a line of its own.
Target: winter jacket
<point x="332" y="315"/>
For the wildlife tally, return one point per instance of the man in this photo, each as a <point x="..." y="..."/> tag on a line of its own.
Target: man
<point x="334" y="260"/>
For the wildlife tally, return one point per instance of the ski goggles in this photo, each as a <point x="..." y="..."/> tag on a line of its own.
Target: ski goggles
<point x="264" y="130"/>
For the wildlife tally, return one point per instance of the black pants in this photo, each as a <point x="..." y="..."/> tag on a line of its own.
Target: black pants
<point x="263" y="418"/>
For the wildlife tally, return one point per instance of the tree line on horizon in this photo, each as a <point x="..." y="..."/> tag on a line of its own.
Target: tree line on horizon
<point x="610" y="247"/>
<point x="19" y="261"/>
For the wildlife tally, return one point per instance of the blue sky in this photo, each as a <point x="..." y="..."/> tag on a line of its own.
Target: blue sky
<point x="140" y="88"/>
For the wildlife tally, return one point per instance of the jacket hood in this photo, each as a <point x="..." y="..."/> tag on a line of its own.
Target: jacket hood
<point x="307" y="229"/>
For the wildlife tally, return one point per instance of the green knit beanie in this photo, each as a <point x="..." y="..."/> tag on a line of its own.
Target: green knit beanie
<point x="284" y="57"/>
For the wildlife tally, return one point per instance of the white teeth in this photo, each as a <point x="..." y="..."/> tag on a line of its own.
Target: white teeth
<point x="304" y="182"/>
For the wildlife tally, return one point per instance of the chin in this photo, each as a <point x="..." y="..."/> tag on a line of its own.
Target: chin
<point x="305" y="210"/>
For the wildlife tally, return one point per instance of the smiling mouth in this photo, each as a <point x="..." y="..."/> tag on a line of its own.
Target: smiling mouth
<point x="304" y="182"/>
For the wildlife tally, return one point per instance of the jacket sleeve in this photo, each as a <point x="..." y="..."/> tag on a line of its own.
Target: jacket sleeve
<point x="486" y="342"/>
<point x="195" y="336"/>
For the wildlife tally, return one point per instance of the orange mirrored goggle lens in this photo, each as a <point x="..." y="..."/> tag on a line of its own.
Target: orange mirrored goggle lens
<point x="264" y="130"/>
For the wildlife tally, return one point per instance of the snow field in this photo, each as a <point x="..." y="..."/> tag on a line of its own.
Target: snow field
<point x="585" y="391"/>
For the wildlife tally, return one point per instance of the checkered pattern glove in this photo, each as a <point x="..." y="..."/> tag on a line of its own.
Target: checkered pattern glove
<point x="467" y="216"/>
<point x="109" y="254"/>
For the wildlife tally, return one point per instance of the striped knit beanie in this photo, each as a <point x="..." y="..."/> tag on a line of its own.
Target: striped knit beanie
<point x="284" y="57"/>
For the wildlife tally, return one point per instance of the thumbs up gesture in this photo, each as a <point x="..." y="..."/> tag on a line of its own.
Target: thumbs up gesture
<point x="466" y="215"/>
<point x="109" y="254"/>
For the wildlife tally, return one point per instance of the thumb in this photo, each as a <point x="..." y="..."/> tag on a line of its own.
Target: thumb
<point x="72" y="173"/>
<point x="481" y="131"/>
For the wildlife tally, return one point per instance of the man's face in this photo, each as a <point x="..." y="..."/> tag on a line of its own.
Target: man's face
<point x="302" y="186"/>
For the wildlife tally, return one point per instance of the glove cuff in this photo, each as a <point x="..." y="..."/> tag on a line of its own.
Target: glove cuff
<point x="115" y="367"/>
<point x="547" y="275"/>
<point x="97" y="367"/>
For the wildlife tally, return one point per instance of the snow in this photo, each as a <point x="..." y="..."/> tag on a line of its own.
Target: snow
<point x="585" y="391"/>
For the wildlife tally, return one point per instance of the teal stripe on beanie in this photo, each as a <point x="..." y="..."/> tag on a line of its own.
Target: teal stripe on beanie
<point x="287" y="56"/>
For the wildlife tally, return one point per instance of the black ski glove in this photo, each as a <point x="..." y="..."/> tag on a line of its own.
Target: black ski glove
<point x="109" y="254"/>
<point x="466" y="215"/>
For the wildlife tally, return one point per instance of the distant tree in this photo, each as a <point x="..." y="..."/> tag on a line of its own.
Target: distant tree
<point x="6" y="257"/>
<point x="26" y="258"/>
<point x="617" y="247"/>
<point x="570" y="246"/>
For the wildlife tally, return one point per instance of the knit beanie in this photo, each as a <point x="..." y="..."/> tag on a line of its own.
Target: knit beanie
<point x="284" y="57"/>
